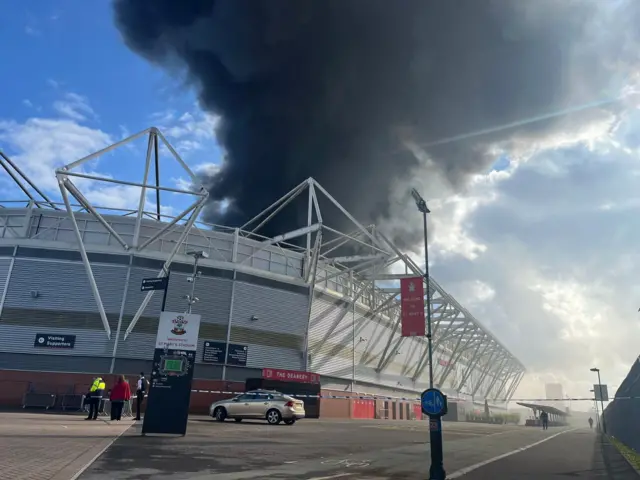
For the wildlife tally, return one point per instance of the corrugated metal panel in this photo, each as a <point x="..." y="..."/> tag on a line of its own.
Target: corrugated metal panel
<point x="5" y="266"/>
<point x="207" y="371"/>
<point x="137" y="345"/>
<point x="277" y="310"/>
<point x="330" y="353"/>
<point x="64" y="286"/>
<point x="20" y="338"/>
<point x="276" y="338"/>
<point x="214" y="296"/>
<point x="261" y="356"/>
<point x="54" y="363"/>
<point x="127" y="366"/>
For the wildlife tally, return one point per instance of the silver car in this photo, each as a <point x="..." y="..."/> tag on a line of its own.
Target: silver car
<point x="269" y="405"/>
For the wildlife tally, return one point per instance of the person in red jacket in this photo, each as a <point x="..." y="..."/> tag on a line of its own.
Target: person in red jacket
<point x="120" y="393"/>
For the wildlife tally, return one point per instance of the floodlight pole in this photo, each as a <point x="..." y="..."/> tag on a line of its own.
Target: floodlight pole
<point x="436" y="471"/>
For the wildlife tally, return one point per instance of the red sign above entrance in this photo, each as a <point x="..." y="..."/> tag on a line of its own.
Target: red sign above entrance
<point x="412" y="307"/>
<point x="290" y="375"/>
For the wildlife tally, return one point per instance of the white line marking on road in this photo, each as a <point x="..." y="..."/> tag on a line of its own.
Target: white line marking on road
<point x="95" y="457"/>
<point x="471" y="468"/>
<point x="340" y="475"/>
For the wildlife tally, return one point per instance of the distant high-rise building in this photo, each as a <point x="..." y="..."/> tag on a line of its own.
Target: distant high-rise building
<point x="555" y="392"/>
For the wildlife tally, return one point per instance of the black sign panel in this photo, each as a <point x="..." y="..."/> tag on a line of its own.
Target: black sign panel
<point x="47" y="340"/>
<point x="169" y="392"/>
<point x="213" y="352"/>
<point x="154" y="284"/>
<point x="237" y="355"/>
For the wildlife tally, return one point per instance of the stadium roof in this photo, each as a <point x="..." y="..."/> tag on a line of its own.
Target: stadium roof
<point x="545" y="408"/>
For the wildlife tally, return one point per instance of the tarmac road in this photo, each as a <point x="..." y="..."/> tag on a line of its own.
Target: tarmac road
<point x="358" y="450"/>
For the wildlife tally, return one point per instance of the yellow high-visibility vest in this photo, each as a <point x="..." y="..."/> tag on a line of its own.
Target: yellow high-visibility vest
<point x="98" y="384"/>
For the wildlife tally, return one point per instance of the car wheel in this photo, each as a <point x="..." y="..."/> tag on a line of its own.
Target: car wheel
<point x="274" y="417"/>
<point x="221" y="414"/>
<point x="290" y="421"/>
<point x="238" y="420"/>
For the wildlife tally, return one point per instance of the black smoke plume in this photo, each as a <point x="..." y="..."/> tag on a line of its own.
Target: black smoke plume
<point x="328" y="88"/>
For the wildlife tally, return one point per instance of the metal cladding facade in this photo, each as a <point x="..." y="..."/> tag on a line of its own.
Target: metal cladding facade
<point x="262" y="303"/>
<point x="292" y="307"/>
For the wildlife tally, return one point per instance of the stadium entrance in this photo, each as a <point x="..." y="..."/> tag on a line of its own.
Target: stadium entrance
<point x="304" y="385"/>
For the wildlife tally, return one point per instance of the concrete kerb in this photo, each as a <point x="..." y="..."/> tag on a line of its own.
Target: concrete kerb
<point x="75" y="469"/>
<point x="608" y="438"/>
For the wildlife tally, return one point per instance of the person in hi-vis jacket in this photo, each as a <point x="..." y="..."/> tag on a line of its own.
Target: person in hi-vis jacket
<point x="96" y="391"/>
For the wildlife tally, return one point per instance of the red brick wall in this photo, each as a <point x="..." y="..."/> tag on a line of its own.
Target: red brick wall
<point x="14" y="384"/>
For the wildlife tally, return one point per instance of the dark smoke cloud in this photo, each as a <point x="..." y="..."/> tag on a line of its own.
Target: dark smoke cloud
<point x="326" y="88"/>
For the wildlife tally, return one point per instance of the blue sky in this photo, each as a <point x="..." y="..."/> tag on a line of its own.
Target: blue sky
<point x="72" y="87"/>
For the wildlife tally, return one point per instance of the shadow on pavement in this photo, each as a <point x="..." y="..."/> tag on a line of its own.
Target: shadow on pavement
<point x="614" y="464"/>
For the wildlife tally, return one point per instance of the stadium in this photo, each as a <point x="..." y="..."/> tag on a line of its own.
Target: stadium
<point x="72" y="272"/>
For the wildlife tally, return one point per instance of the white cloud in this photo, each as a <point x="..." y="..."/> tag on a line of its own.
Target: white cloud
<point x="74" y="106"/>
<point x="190" y="131"/>
<point x="555" y="279"/>
<point x="41" y="145"/>
<point x="208" y="168"/>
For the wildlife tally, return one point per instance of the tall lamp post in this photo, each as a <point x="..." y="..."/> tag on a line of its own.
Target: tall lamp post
<point x="604" y="422"/>
<point x="436" y="471"/>
<point x="197" y="255"/>
<point x="422" y="206"/>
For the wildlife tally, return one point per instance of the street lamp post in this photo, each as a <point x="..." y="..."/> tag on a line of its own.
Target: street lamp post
<point x="197" y="255"/>
<point x="422" y="206"/>
<point x="436" y="472"/>
<point x="604" y="422"/>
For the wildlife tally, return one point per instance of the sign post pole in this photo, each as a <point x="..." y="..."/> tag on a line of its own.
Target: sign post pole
<point x="434" y="403"/>
<point x="166" y="289"/>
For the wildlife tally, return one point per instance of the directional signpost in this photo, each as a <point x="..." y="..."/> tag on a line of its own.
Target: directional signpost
<point x="157" y="283"/>
<point x="434" y="404"/>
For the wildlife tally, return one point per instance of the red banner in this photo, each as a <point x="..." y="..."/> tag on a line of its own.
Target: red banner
<point x="290" y="375"/>
<point x="412" y="306"/>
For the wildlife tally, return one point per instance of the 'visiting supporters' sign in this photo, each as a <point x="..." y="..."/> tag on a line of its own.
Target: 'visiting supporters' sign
<point x="178" y="331"/>
<point x="47" y="340"/>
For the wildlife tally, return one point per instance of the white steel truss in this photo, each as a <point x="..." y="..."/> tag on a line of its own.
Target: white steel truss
<point x="455" y="330"/>
<point x="74" y="170"/>
<point x="354" y="263"/>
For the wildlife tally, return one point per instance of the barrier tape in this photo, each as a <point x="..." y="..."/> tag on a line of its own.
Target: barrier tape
<point x="412" y="399"/>
<point x="354" y="397"/>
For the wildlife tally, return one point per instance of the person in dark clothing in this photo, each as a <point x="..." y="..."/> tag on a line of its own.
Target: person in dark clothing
<point x="590" y="422"/>
<point x="94" y="397"/>
<point x="545" y="420"/>
<point x="141" y="389"/>
<point x="120" y="393"/>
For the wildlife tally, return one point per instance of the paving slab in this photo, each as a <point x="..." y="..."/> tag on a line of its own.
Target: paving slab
<point x="36" y="446"/>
